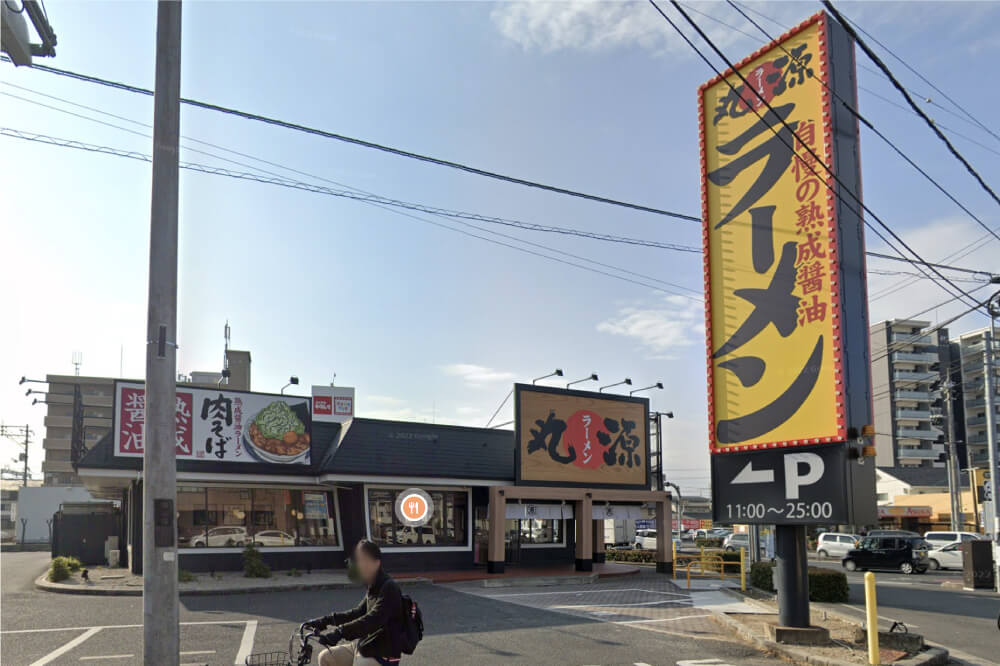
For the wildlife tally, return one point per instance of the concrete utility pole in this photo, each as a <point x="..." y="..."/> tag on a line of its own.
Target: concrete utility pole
<point x="954" y="483"/>
<point x="12" y="432"/>
<point x="161" y="633"/>
<point x="991" y="444"/>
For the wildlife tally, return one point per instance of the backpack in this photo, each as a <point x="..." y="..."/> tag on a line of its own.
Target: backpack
<point x="413" y="626"/>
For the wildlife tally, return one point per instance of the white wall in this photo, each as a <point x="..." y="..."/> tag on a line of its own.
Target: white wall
<point x="39" y="504"/>
<point x="890" y="486"/>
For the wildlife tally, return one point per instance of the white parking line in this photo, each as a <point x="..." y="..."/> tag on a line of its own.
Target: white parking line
<point x="115" y="626"/>
<point x="58" y="652"/>
<point x="199" y="652"/>
<point x="605" y="591"/>
<point x="643" y="603"/>
<point x="246" y="645"/>
<point x="662" y="619"/>
<point x="881" y="617"/>
<point x="106" y="656"/>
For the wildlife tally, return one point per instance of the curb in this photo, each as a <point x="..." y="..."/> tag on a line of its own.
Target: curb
<point x="60" y="588"/>
<point x="932" y="656"/>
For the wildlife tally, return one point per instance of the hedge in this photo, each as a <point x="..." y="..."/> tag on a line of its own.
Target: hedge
<point x="58" y="570"/>
<point x="708" y="543"/>
<point x="824" y="584"/>
<point x="641" y="556"/>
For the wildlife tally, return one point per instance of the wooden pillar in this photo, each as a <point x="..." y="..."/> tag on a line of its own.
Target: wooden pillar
<point x="664" y="536"/>
<point x="584" y="512"/>
<point x="598" y="538"/>
<point x="497" y="519"/>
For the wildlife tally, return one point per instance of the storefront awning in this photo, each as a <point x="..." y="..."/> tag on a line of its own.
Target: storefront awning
<point x="613" y="512"/>
<point x="905" y="512"/>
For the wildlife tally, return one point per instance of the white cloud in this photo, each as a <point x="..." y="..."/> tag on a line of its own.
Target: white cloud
<point x="670" y="324"/>
<point x="478" y="375"/>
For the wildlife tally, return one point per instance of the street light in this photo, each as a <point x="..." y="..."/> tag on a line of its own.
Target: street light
<point x="291" y="380"/>
<point x="592" y="377"/>
<point x="628" y="381"/>
<point x="30" y="391"/>
<point x="557" y="373"/>
<point x="32" y="381"/>
<point x="657" y="385"/>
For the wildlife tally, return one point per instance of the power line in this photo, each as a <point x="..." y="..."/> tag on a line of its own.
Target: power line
<point x="906" y="95"/>
<point x="876" y="271"/>
<point x="371" y="199"/>
<point x="441" y="213"/>
<point x="879" y="255"/>
<point x="872" y="127"/>
<point x="369" y="144"/>
<point x="792" y="131"/>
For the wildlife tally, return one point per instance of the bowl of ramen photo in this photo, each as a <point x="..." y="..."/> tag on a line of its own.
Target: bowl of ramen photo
<point x="278" y="434"/>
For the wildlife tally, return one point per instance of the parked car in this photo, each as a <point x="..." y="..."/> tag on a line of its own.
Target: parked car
<point x="948" y="556"/>
<point x="274" y="538"/>
<point x="902" y="533"/>
<point x="218" y="537"/>
<point x="939" y="539"/>
<point x="735" y="542"/>
<point x="905" y="553"/>
<point x="645" y="539"/>
<point x="835" y="544"/>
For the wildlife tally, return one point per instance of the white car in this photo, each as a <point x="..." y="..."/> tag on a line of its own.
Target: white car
<point x="946" y="557"/>
<point x="836" y="544"/>
<point x="939" y="539"/>
<point x="219" y="537"/>
<point x="645" y="539"/>
<point x="273" y="538"/>
<point x="415" y="535"/>
<point x="734" y="542"/>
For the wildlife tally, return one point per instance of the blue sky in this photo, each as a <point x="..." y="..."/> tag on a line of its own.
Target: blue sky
<point x="428" y="323"/>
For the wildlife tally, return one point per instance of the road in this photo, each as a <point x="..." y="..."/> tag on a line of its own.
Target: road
<point x="932" y="605"/>
<point x="40" y="628"/>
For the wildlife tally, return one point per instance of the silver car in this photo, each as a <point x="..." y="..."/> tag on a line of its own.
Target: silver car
<point x="835" y="544"/>
<point x="946" y="557"/>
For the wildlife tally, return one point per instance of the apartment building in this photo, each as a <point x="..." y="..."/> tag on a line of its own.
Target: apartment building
<point x="909" y="366"/>
<point x="968" y="373"/>
<point x="96" y="397"/>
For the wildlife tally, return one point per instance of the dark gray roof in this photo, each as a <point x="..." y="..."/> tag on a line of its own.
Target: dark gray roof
<point x="400" y="448"/>
<point x="368" y="447"/>
<point x="922" y="476"/>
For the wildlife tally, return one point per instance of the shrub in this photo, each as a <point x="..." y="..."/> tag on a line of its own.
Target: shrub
<point x="730" y="557"/>
<point x="641" y="556"/>
<point x="294" y="572"/>
<point x="73" y="563"/>
<point x="185" y="576"/>
<point x="253" y="566"/>
<point x="708" y="543"/>
<point x="824" y="584"/>
<point x="58" y="570"/>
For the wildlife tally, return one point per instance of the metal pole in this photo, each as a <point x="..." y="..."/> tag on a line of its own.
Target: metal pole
<point x="975" y="498"/>
<point x="991" y="443"/>
<point x="954" y="484"/>
<point x="791" y="576"/>
<point x="659" y="450"/>
<point x="27" y="432"/>
<point x="161" y="639"/>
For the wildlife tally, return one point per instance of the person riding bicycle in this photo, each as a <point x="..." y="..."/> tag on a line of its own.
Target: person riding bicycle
<point x="373" y="627"/>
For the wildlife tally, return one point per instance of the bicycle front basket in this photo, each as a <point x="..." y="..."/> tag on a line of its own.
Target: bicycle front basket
<point x="268" y="659"/>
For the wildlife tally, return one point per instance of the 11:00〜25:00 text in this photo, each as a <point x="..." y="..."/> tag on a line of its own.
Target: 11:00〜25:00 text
<point x="792" y="510"/>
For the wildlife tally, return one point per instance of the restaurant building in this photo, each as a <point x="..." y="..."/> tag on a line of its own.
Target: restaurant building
<point x="303" y="478"/>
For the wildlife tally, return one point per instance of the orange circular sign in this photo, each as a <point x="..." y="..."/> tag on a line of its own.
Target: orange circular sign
<point x="413" y="507"/>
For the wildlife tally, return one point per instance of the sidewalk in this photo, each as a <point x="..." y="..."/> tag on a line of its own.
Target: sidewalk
<point x="121" y="582"/>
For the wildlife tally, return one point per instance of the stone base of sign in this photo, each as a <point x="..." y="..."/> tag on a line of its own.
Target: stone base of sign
<point x="893" y="640"/>
<point x="584" y="565"/>
<point x="494" y="567"/>
<point x="798" y="635"/>
<point x="600" y="558"/>
<point x="665" y="567"/>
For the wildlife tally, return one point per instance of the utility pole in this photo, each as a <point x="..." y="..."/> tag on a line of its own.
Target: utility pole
<point x="991" y="444"/>
<point x="161" y="634"/>
<point x="954" y="484"/>
<point x="15" y="433"/>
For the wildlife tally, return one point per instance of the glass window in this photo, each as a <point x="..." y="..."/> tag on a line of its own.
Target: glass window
<point x="534" y="531"/>
<point x="217" y="517"/>
<point x="448" y="525"/>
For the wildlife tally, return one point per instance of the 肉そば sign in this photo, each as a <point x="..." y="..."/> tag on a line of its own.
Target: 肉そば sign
<point x="775" y="274"/>
<point x="220" y="425"/>
<point x="580" y="438"/>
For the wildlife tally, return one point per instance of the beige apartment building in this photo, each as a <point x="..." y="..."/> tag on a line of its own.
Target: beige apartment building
<point x="96" y="394"/>
<point x="971" y="354"/>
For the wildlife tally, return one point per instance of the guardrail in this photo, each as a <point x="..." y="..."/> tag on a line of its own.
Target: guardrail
<point x="708" y="564"/>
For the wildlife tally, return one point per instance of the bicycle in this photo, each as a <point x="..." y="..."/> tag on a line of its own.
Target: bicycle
<point x="304" y="652"/>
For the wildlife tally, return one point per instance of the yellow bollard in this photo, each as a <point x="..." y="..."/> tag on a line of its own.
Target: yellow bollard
<point x="743" y="569"/>
<point x="673" y="548"/>
<point x="871" y="608"/>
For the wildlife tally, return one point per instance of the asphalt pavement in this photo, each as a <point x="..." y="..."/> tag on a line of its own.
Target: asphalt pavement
<point x="40" y="628"/>
<point x="934" y="605"/>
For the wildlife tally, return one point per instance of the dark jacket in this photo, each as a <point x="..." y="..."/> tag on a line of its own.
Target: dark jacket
<point x="377" y="621"/>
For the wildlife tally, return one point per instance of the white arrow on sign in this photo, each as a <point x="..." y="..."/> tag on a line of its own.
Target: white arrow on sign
<point x="750" y="475"/>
